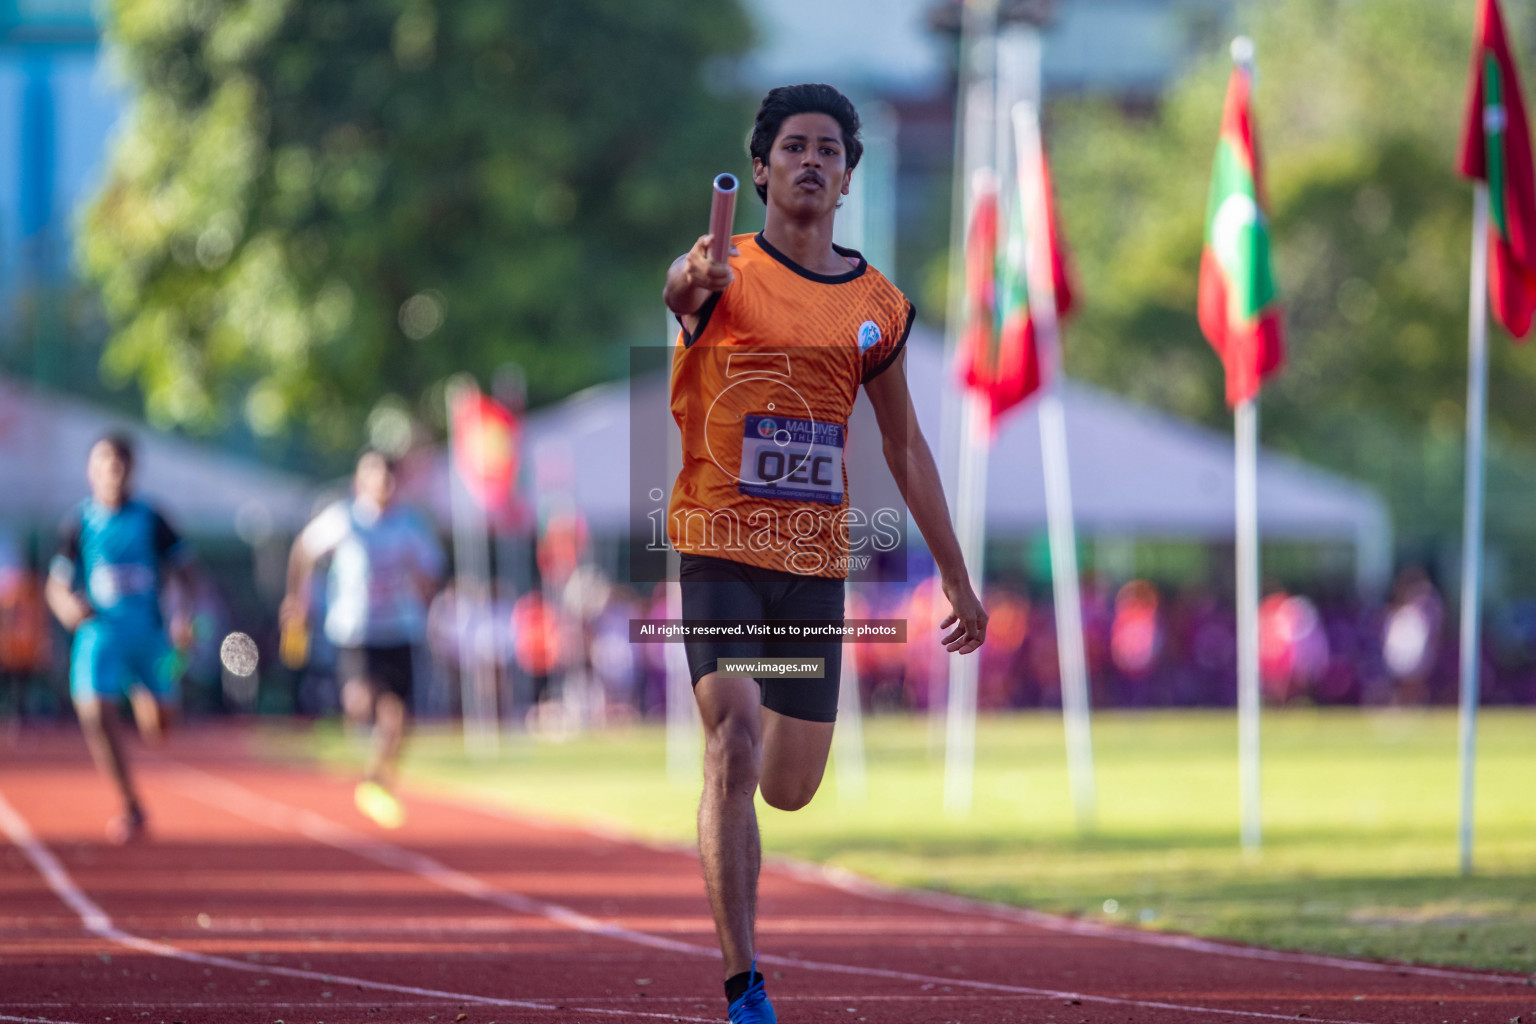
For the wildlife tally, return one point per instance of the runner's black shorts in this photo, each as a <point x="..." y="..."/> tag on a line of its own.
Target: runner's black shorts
<point x="718" y="589"/>
<point x="384" y="669"/>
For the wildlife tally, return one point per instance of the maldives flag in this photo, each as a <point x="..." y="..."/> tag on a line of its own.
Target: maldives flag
<point x="485" y="437"/>
<point x="1496" y="148"/>
<point x="1017" y="367"/>
<point x="1239" y="308"/>
<point x="978" y="339"/>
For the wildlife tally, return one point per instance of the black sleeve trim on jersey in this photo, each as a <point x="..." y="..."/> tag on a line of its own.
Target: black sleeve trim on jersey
<point x="167" y="540"/>
<point x="69" y="536"/>
<point x="703" y="314"/>
<point x="901" y="343"/>
<point x="66" y="565"/>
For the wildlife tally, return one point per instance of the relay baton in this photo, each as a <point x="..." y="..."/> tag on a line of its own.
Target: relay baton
<point x="293" y="644"/>
<point x="722" y="214"/>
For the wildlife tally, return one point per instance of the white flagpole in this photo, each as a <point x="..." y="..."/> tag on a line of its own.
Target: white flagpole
<point x="970" y="531"/>
<point x="1247" y="431"/>
<point x="1472" y="518"/>
<point x="973" y="100"/>
<point x="973" y="141"/>
<point x="684" y="726"/>
<point x="971" y="486"/>
<point x="1075" y="703"/>
<point x="471" y="568"/>
<point x="848" y="738"/>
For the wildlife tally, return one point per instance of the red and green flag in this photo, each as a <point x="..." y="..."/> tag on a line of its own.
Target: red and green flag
<point x="998" y="350"/>
<point x="485" y="449"/>
<point x="1239" y="301"/>
<point x="1496" y="148"/>
<point x="978" y="339"/>
<point x="1032" y="231"/>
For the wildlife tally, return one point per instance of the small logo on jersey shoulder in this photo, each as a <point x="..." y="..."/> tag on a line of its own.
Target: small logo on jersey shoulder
<point x="869" y="335"/>
<point x="766" y="427"/>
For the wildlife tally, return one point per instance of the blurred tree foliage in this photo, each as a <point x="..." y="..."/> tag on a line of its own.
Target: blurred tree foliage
<point x="318" y="204"/>
<point x="1359" y="108"/>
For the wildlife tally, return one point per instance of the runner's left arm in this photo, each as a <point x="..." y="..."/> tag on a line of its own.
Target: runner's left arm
<point x="911" y="463"/>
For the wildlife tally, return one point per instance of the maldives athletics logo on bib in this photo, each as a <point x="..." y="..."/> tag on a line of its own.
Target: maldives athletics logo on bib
<point x="869" y="335"/>
<point x="766" y="427"/>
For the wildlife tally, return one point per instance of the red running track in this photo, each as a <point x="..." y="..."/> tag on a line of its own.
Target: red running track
<point x="264" y="897"/>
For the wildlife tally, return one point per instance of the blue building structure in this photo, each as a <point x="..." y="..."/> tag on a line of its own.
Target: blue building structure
<point x="58" y="108"/>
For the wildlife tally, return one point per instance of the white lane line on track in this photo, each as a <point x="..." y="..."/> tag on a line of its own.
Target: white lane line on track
<point x="849" y="882"/>
<point x="35" y="1020"/>
<point x="98" y="923"/>
<point x="234" y="798"/>
<point x="858" y="885"/>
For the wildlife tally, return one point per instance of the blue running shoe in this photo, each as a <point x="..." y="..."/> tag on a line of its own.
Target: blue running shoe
<point x="753" y="1007"/>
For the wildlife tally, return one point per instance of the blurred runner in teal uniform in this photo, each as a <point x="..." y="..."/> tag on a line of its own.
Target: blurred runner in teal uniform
<point x="114" y="556"/>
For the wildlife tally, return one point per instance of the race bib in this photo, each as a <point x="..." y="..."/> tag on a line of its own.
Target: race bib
<point x="110" y="584"/>
<point x="792" y="459"/>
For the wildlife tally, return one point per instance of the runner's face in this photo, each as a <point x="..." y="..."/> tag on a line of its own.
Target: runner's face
<point x="107" y="474"/>
<point x="375" y="481"/>
<point x="807" y="167"/>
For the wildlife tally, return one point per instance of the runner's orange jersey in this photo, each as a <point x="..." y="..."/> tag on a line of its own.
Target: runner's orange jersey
<point x="762" y="391"/>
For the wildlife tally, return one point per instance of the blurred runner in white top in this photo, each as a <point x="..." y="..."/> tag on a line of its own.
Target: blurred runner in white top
<point x="385" y="563"/>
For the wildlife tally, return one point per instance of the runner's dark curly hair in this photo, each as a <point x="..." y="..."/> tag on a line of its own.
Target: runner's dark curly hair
<point x="121" y="443"/>
<point x="788" y="100"/>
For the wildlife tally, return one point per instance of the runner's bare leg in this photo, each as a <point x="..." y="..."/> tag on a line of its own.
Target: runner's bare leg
<point x="794" y="759"/>
<point x="740" y="737"/>
<point x="729" y="847"/>
<point x="103" y="735"/>
<point x="389" y="718"/>
<point x="154" y="718"/>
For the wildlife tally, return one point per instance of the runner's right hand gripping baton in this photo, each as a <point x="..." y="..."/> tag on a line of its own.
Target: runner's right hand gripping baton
<point x="722" y="214"/>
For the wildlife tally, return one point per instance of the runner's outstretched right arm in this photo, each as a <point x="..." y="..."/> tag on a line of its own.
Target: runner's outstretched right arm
<point x="692" y="277"/>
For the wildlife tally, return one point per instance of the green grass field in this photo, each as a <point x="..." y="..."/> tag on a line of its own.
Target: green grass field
<point x="1360" y="818"/>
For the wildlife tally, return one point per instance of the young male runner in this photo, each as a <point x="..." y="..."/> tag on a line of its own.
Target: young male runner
<point x="774" y="347"/>
<point x="104" y="585"/>
<point x="385" y="565"/>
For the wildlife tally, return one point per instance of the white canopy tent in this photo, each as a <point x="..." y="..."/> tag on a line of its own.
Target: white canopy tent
<point x="44" y="439"/>
<point x="1135" y="471"/>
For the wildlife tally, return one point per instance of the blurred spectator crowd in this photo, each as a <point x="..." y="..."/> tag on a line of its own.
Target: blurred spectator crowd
<point x="1149" y="646"/>
<point x="562" y="657"/>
